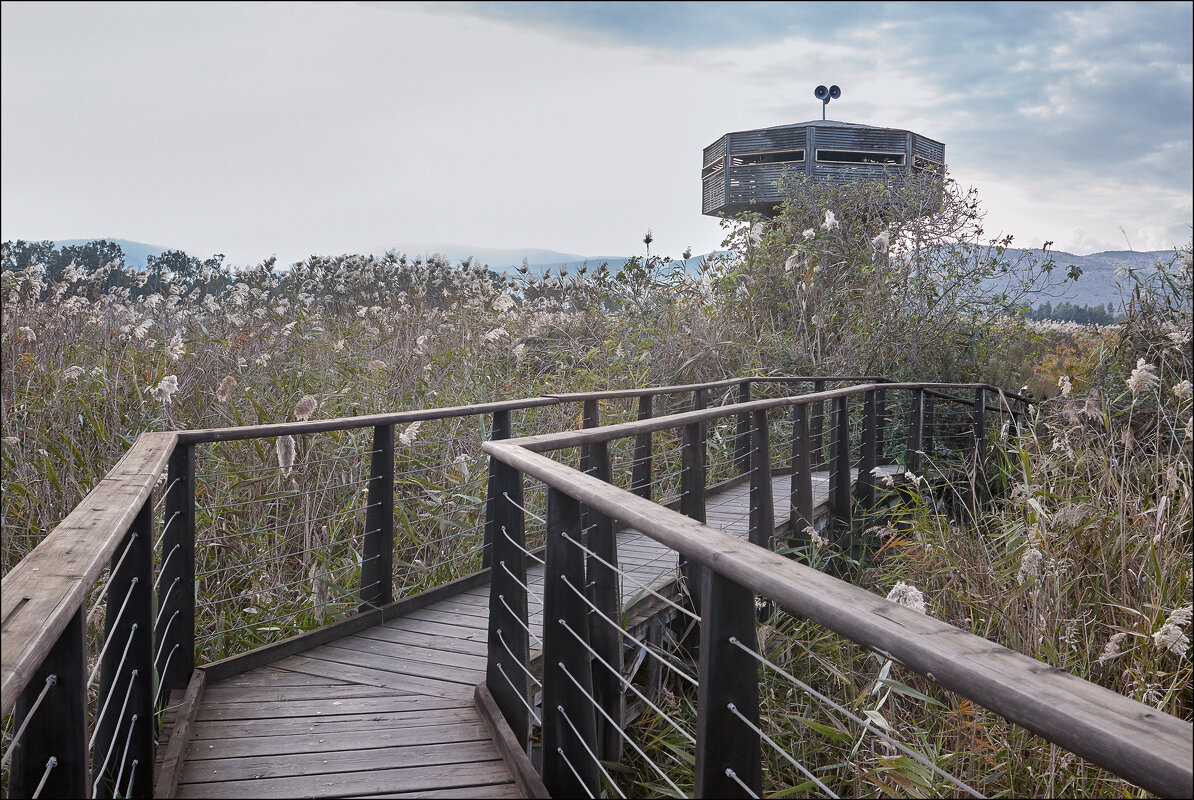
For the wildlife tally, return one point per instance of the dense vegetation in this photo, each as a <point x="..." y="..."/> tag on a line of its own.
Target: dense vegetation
<point x="1084" y="562"/>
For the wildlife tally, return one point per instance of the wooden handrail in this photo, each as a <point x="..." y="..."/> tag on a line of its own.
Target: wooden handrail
<point x="1137" y="742"/>
<point x="573" y="438"/>
<point x="45" y="589"/>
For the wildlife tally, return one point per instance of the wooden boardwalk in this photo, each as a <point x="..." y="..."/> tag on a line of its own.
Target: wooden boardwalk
<point x="389" y="711"/>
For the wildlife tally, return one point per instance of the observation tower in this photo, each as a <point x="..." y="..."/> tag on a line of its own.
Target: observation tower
<point x="742" y="170"/>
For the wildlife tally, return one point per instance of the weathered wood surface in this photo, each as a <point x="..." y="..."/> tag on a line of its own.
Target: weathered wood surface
<point x="1147" y="747"/>
<point x="45" y="589"/>
<point x="395" y="700"/>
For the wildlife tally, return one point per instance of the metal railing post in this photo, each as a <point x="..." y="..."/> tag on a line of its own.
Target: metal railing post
<point x="508" y="653"/>
<point x="729" y="682"/>
<point x="58" y="732"/>
<point x="569" y="723"/>
<point x="175" y="635"/>
<point x="377" y="568"/>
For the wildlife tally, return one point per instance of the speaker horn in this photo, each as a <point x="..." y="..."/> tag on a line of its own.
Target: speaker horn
<point x="822" y="93"/>
<point x="835" y="91"/>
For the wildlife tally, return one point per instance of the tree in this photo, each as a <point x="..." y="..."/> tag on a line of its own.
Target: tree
<point x="871" y="277"/>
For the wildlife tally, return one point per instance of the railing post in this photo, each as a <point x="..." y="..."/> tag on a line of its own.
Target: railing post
<point x="58" y="731"/>
<point x="865" y="487"/>
<point x="605" y="594"/>
<point x="692" y="500"/>
<point x="377" y="568"/>
<point x="816" y="422"/>
<point x="979" y="433"/>
<point x="175" y="634"/>
<point x="508" y="655"/>
<point x="916" y="420"/>
<point x="881" y="427"/>
<point x="839" y="463"/>
<point x="569" y="724"/>
<point x="729" y="682"/>
<point x="125" y="733"/>
<point x="501" y="430"/>
<point x="802" y="478"/>
<point x="927" y="425"/>
<point x="762" y="504"/>
<point x="742" y="433"/>
<point x="640" y="478"/>
<point x="590" y="418"/>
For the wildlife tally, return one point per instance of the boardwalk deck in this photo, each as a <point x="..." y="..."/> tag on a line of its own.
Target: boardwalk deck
<point x="389" y="711"/>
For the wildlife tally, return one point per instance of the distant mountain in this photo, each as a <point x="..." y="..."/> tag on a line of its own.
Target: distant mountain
<point x="498" y="259"/>
<point x="1098" y="284"/>
<point x="136" y="254"/>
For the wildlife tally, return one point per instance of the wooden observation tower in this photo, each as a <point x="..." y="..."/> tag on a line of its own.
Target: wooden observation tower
<point x="743" y="170"/>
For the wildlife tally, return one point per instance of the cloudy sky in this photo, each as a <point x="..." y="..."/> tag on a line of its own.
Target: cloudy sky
<point x="302" y="128"/>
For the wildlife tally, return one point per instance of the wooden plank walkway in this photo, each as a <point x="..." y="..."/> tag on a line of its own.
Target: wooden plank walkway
<point x="389" y="711"/>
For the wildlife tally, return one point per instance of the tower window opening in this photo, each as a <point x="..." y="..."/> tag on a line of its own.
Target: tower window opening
<point x="922" y="164"/>
<point x="710" y="170"/>
<point x="859" y="157"/>
<point x="775" y="157"/>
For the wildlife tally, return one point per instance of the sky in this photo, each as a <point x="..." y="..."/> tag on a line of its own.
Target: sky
<point x="293" y="129"/>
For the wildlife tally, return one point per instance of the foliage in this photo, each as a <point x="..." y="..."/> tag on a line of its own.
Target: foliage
<point x="882" y="278"/>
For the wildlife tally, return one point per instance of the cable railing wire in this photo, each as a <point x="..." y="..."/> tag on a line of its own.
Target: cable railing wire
<point x="856" y="719"/>
<point x="589" y="750"/>
<point x="629" y="685"/>
<point x="51" y="680"/>
<point x="803" y="770"/>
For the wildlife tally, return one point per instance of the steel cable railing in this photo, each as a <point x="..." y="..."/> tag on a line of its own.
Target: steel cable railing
<point x="859" y="487"/>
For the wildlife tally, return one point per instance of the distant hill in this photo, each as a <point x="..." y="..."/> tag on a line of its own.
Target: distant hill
<point x="1096" y="286"/>
<point x="1098" y="282"/>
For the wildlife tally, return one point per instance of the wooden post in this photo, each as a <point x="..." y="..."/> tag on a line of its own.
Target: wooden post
<point x="692" y="500"/>
<point x="881" y="427"/>
<point x="640" y="480"/>
<point x="377" y="569"/>
<point x="604" y="591"/>
<point x="125" y="734"/>
<point x="762" y="504"/>
<point x="802" y="478"/>
<point x="979" y="434"/>
<point x="742" y="433"/>
<point x="590" y="418"/>
<point x="816" y="422"/>
<point x="508" y="654"/>
<point x="728" y="677"/>
<point x="865" y="486"/>
<point x="927" y="425"/>
<point x="916" y="420"/>
<point x="500" y="430"/>
<point x="839" y="464"/>
<point x="58" y="729"/>
<point x="175" y="635"/>
<point x="569" y="725"/>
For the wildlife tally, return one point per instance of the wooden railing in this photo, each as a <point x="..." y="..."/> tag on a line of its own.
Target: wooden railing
<point x="68" y="742"/>
<point x="582" y="682"/>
